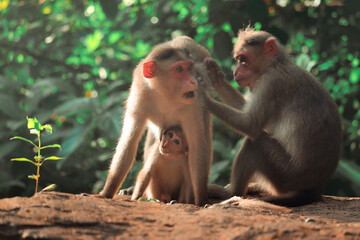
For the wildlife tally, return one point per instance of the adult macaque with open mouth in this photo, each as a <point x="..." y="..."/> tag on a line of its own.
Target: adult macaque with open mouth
<point x="162" y="95"/>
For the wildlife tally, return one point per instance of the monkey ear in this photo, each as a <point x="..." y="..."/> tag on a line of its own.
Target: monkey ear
<point x="149" y="69"/>
<point x="271" y="47"/>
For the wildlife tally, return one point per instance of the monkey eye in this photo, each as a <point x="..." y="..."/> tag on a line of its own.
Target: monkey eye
<point x="190" y="67"/>
<point x="179" y="69"/>
<point x="176" y="141"/>
<point x="171" y="135"/>
<point x="241" y="58"/>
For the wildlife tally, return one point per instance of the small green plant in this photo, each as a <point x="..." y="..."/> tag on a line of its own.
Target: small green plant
<point x="35" y="128"/>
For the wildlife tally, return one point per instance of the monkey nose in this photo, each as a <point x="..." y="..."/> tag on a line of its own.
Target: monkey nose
<point x="190" y="67"/>
<point x="235" y="71"/>
<point x="165" y="144"/>
<point x="193" y="82"/>
<point x="183" y="67"/>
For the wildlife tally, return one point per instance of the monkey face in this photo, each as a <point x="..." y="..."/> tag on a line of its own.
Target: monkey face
<point x="170" y="75"/>
<point x="185" y="82"/>
<point x="172" y="142"/>
<point x="243" y="72"/>
<point x="252" y="62"/>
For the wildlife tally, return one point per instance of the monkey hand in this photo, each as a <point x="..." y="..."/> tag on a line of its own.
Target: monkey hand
<point x="201" y="93"/>
<point x="214" y="72"/>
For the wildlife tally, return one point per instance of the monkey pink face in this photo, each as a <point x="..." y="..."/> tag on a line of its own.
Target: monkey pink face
<point x="185" y="82"/>
<point x="175" y="81"/>
<point x="252" y="61"/>
<point x="172" y="143"/>
<point x="243" y="72"/>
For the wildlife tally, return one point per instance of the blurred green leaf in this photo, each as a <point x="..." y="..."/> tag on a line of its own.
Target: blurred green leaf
<point x="355" y="76"/>
<point x="32" y="177"/>
<point x="51" y="187"/>
<point x="4" y="4"/>
<point x="24" y="139"/>
<point x="92" y="41"/>
<point x="114" y="37"/>
<point x="326" y="65"/>
<point x="23" y="160"/>
<point x="51" y="146"/>
<point x="33" y="123"/>
<point x="53" y="158"/>
<point x="47" y="127"/>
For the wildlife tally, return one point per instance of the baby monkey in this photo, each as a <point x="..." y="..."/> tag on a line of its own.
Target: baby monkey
<point x="165" y="174"/>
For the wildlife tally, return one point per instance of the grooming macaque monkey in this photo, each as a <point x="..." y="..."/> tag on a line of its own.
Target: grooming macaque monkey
<point x="165" y="174"/>
<point x="292" y="126"/>
<point x="162" y="95"/>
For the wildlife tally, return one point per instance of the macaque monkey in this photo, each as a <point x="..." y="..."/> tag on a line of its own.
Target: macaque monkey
<point x="292" y="125"/>
<point x="163" y="94"/>
<point x="165" y="174"/>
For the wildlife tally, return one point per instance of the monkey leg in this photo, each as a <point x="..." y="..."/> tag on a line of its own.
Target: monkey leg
<point x="166" y="198"/>
<point x="145" y="174"/>
<point x="268" y="158"/>
<point x="186" y="194"/>
<point x="244" y="167"/>
<point x="199" y="158"/>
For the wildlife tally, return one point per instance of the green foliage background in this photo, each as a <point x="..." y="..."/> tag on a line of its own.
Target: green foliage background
<point x="69" y="63"/>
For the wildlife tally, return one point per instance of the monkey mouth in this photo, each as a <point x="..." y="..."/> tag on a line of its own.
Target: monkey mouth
<point x="190" y="94"/>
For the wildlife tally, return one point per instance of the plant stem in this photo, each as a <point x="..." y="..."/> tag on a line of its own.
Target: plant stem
<point x="38" y="163"/>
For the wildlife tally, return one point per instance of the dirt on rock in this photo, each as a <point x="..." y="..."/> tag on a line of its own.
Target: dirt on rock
<point x="55" y="215"/>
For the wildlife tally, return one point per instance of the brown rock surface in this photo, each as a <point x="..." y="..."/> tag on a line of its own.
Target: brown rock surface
<point x="66" y="216"/>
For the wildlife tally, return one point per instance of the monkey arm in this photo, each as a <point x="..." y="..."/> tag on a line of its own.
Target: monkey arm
<point x="230" y="96"/>
<point x="241" y="120"/>
<point x="124" y="157"/>
<point x="145" y="174"/>
<point x="142" y="181"/>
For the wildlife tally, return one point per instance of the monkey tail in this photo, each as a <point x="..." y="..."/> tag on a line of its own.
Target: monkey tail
<point x="295" y="199"/>
<point x="218" y="192"/>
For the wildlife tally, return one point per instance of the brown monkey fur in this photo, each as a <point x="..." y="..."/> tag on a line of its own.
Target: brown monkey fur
<point x="159" y="102"/>
<point x="291" y="123"/>
<point x="165" y="174"/>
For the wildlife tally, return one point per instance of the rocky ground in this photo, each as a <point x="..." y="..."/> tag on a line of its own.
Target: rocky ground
<point x="57" y="215"/>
